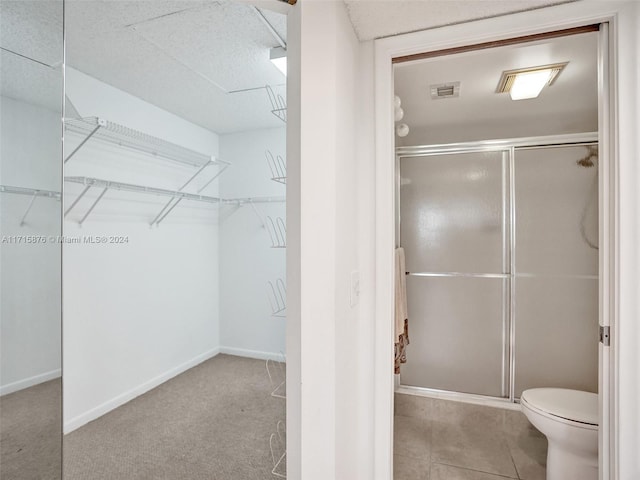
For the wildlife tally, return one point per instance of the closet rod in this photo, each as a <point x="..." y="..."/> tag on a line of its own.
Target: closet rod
<point x="29" y="191"/>
<point x="34" y="193"/>
<point x="128" y="187"/>
<point x="243" y="200"/>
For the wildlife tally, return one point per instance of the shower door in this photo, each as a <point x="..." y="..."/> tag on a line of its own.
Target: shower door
<point x="556" y="268"/>
<point x="502" y="266"/>
<point x="453" y="223"/>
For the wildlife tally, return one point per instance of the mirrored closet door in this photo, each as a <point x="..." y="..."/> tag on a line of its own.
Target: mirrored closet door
<point x="31" y="89"/>
<point x="175" y="240"/>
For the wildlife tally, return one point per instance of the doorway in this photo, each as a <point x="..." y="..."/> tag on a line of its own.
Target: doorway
<point x="455" y="37"/>
<point x="500" y="236"/>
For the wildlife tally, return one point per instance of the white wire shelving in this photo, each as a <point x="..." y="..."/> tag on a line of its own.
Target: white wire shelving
<point x="278" y="104"/>
<point x="278" y="447"/>
<point x="277" y="167"/>
<point x="101" y="129"/>
<point x="277" y="232"/>
<point x="276" y="371"/>
<point x="277" y="293"/>
<point x="33" y="193"/>
<point x="107" y="185"/>
<point x="275" y="227"/>
<point x="113" y="133"/>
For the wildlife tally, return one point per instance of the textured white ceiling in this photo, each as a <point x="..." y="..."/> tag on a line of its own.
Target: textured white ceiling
<point x="382" y="18"/>
<point x="569" y="105"/>
<point x="31" y="55"/>
<point x="183" y="56"/>
<point x="30" y="82"/>
<point x="32" y="28"/>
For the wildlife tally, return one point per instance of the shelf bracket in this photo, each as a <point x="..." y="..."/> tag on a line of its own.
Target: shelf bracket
<point x="75" y="202"/>
<point x="224" y="167"/>
<point x="93" y="206"/>
<point x="24" y="217"/>
<point x="100" y="124"/>
<point x="164" y="212"/>
<point x="260" y="217"/>
<point x="175" y="204"/>
<point x="157" y="218"/>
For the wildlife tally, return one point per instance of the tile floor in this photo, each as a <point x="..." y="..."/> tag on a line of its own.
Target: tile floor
<point x="443" y="440"/>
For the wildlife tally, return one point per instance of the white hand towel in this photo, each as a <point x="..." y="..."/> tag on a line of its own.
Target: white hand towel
<point x="401" y="294"/>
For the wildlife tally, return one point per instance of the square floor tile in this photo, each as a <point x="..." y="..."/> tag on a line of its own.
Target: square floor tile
<point x="471" y="447"/>
<point x="412" y="438"/>
<point x="447" y="472"/>
<point x="405" y="468"/>
<point x="412" y="405"/>
<point x="467" y="414"/>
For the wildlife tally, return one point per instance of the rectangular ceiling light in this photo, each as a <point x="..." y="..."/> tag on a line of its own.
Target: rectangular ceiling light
<point x="278" y="57"/>
<point x="526" y="83"/>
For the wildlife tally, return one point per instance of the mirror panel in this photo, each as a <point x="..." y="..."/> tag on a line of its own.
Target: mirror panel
<point x="31" y="89"/>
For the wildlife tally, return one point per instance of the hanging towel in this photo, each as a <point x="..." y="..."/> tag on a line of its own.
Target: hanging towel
<point x="401" y="321"/>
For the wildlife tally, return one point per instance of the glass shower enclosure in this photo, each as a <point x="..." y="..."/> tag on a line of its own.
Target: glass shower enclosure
<point x="501" y="244"/>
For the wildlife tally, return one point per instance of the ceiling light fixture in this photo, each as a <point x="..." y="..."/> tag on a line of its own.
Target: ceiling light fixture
<point x="278" y="57"/>
<point x="524" y="83"/>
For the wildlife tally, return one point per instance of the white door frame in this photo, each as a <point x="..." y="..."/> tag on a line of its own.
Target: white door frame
<point x="618" y="153"/>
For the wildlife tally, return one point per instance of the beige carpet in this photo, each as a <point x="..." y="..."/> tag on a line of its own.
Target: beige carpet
<point x="212" y="422"/>
<point x="30" y="433"/>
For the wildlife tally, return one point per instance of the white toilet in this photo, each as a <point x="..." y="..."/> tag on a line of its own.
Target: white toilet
<point x="569" y="420"/>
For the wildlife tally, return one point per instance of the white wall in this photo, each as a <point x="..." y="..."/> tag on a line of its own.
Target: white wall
<point x="294" y="261"/>
<point x="316" y="391"/>
<point x="30" y="341"/>
<point x="247" y="261"/>
<point x="627" y="334"/>
<point x="138" y="313"/>
<point x="330" y="409"/>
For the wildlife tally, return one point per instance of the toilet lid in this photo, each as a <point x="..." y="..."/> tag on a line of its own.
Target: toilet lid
<point x="571" y="405"/>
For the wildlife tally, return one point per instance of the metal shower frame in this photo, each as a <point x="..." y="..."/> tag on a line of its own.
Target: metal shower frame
<point x="508" y="147"/>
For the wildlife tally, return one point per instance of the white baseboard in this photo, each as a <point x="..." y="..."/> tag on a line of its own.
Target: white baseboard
<point x="29" y="382"/>
<point x="242" y="352"/>
<point x="96" y="412"/>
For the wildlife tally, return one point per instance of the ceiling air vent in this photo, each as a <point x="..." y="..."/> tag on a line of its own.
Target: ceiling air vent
<point x="445" y="90"/>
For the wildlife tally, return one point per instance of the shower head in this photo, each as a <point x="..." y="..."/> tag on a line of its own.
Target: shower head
<point x="587" y="160"/>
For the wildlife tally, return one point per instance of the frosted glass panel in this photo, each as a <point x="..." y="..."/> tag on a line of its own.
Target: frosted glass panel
<point x="556" y="211"/>
<point x="556" y="333"/>
<point x="451" y="212"/>
<point x="456" y="334"/>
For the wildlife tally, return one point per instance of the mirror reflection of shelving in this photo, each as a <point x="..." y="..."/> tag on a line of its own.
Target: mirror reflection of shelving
<point x="31" y="98"/>
<point x="202" y="170"/>
<point x="176" y="163"/>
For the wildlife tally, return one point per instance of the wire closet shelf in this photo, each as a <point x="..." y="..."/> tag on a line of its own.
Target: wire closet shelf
<point x="33" y="193"/>
<point x="111" y="132"/>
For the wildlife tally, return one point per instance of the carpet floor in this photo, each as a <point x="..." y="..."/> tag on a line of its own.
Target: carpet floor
<point x="30" y="433"/>
<point x="212" y="422"/>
